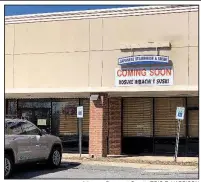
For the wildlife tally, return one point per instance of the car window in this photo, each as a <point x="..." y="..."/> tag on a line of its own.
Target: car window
<point x="13" y="128"/>
<point x="30" y="129"/>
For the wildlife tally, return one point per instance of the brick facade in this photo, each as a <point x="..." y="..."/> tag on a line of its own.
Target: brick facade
<point x="114" y="126"/>
<point x="105" y="127"/>
<point x="98" y="126"/>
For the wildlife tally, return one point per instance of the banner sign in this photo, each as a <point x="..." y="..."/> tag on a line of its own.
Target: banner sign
<point x="135" y="60"/>
<point x="153" y="76"/>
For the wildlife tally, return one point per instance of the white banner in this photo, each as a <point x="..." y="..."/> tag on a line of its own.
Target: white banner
<point x="151" y="76"/>
<point x="41" y="122"/>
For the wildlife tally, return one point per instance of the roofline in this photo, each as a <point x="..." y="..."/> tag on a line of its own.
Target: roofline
<point x="101" y="13"/>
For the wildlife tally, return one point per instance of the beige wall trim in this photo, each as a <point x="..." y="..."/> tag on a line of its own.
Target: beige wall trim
<point x="172" y="91"/>
<point x="102" y="89"/>
<point x="104" y="13"/>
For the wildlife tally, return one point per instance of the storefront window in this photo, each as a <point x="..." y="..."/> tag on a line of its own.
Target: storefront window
<point x="11" y="108"/>
<point x="36" y="110"/>
<point x="40" y="103"/>
<point x="192" y="102"/>
<point x="85" y="124"/>
<point x="165" y="122"/>
<point x="64" y="120"/>
<point x="193" y="118"/>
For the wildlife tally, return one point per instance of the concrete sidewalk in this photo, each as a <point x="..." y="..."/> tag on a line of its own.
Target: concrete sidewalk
<point x="157" y="160"/>
<point x="164" y="168"/>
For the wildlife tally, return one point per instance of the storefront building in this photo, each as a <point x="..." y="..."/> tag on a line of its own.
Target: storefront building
<point x="130" y="68"/>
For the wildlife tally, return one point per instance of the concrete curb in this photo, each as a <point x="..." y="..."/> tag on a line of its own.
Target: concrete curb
<point x="167" y="168"/>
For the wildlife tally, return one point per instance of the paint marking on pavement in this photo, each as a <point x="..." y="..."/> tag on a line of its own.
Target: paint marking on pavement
<point x="169" y="171"/>
<point x="155" y="170"/>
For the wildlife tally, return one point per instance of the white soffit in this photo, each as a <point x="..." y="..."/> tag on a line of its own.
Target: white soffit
<point x="104" y="13"/>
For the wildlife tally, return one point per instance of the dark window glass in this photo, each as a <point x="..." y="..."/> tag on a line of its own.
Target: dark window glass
<point x="11" y="108"/>
<point x="23" y="103"/>
<point x="30" y="129"/>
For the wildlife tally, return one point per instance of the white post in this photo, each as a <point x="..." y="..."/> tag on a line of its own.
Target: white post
<point x="80" y="136"/>
<point x="177" y="142"/>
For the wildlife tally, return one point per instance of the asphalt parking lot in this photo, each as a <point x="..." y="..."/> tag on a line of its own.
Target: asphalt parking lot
<point x="76" y="170"/>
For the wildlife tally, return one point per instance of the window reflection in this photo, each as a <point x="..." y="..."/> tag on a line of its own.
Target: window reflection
<point x="64" y="120"/>
<point x="11" y="108"/>
<point x="34" y="103"/>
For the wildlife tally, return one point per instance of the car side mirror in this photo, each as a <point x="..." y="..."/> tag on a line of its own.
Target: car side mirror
<point x="43" y="132"/>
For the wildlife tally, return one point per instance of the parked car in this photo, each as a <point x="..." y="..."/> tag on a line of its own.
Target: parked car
<point x="25" y="143"/>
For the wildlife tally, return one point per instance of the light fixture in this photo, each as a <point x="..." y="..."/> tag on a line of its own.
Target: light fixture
<point x="94" y="97"/>
<point x="142" y="45"/>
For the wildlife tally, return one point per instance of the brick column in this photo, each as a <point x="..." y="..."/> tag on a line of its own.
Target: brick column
<point x="98" y="126"/>
<point x="114" y="126"/>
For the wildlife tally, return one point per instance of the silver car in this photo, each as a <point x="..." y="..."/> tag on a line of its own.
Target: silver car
<point x="25" y="143"/>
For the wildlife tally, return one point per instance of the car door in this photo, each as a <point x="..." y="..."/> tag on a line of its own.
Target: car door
<point x="21" y="143"/>
<point x="38" y="148"/>
<point x="44" y="145"/>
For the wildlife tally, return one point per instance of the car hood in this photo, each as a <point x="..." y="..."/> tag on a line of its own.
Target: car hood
<point x="52" y="138"/>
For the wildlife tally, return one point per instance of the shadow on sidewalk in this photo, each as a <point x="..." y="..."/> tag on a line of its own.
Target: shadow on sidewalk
<point x="34" y="170"/>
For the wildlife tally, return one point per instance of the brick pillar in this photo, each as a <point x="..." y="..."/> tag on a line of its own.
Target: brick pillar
<point x="98" y="126"/>
<point x="114" y="126"/>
